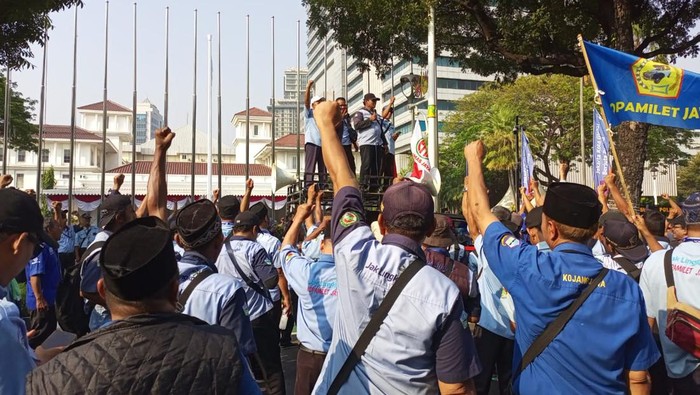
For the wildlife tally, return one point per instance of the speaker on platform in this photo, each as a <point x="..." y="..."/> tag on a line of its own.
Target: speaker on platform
<point x="281" y="178"/>
<point x="431" y="179"/>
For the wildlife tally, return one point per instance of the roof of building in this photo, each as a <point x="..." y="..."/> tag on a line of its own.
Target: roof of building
<point x="289" y="140"/>
<point x="63" y="132"/>
<point x="182" y="143"/>
<point x="111" y="106"/>
<point x="255" y="112"/>
<point x="184" y="168"/>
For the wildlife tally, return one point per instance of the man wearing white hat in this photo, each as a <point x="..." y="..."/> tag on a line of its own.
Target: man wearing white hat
<point x="312" y="139"/>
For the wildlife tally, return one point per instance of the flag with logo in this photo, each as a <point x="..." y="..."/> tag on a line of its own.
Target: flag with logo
<point x="638" y="89"/>
<point x="419" y="151"/>
<point x="527" y="162"/>
<point x="601" y="149"/>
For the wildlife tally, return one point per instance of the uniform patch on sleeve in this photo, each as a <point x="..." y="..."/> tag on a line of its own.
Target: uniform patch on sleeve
<point x="288" y="257"/>
<point x="349" y="218"/>
<point x="510" y="241"/>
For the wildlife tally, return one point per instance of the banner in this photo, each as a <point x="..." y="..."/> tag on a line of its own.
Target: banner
<point x="527" y="162"/>
<point x="419" y="151"/>
<point x="601" y="149"/>
<point x="637" y="89"/>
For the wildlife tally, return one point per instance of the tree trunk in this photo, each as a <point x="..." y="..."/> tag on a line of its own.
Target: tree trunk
<point x="632" y="150"/>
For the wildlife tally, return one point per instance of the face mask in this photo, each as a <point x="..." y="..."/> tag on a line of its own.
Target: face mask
<point x="226" y="228"/>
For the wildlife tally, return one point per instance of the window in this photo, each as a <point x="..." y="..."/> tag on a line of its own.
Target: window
<point x="2" y="152"/>
<point x="66" y="156"/>
<point x="19" y="181"/>
<point x="65" y="176"/>
<point x="44" y="155"/>
<point x="183" y="156"/>
<point x="21" y="156"/>
<point x="92" y="156"/>
<point x="99" y="158"/>
<point x="292" y="162"/>
<point x="255" y="130"/>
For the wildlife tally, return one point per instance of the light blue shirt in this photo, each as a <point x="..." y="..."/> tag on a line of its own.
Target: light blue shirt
<point x="686" y="274"/>
<point x="371" y="135"/>
<point x="494" y="315"/>
<point x="17" y="358"/>
<point x="66" y="244"/>
<point x="86" y="236"/>
<point x="271" y="244"/>
<point x="311" y="133"/>
<point x="312" y="248"/>
<point x="389" y="131"/>
<point x="315" y="283"/>
<point x="345" y="137"/>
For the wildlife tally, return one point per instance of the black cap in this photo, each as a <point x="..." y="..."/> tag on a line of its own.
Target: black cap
<point x="572" y="204"/>
<point x="611" y="214"/>
<point x="246" y="218"/>
<point x="370" y="96"/>
<point x="20" y="213"/>
<point x="112" y="205"/>
<point x="678" y="221"/>
<point x="502" y="213"/>
<point x="533" y="219"/>
<point x="624" y="236"/>
<point x="197" y="224"/>
<point x="138" y="260"/>
<point x="260" y="211"/>
<point x="229" y="207"/>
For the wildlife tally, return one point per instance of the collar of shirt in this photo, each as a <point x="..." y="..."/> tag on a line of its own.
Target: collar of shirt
<point x="195" y="258"/>
<point x="405" y="243"/>
<point x="439" y="250"/>
<point x="576" y="248"/>
<point x="691" y="239"/>
<point x="240" y="238"/>
<point x="264" y="231"/>
<point x="325" y="258"/>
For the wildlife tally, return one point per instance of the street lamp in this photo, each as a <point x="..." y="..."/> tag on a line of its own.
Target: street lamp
<point x="411" y="81"/>
<point x="654" y="173"/>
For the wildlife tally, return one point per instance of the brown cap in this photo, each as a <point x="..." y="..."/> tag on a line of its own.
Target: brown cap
<point x="407" y="197"/>
<point x="442" y="236"/>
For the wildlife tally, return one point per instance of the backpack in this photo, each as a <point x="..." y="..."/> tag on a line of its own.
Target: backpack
<point x="70" y="307"/>
<point x="682" y="320"/>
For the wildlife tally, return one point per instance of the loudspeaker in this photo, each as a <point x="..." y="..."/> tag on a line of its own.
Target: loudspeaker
<point x="431" y="179"/>
<point x="281" y="178"/>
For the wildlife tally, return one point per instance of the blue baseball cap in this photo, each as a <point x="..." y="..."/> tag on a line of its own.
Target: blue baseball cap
<point x="691" y="209"/>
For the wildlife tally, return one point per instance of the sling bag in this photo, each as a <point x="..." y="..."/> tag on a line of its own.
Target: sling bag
<point x="682" y="320"/>
<point x="555" y="327"/>
<point x="251" y="284"/>
<point x="198" y="278"/>
<point x="630" y="268"/>
<point x="373" y="326"/>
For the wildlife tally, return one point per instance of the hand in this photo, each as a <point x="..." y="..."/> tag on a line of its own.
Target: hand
<point x="373" y="117"/>
<point x="32" y="333"/>
<point x="602" y="190"/>
<point x="215" y="195"/>
<point x="118" y="181"/>
<point x="56" y="206"/>
<point x="249" y="185"/>
<point x="475" y="149"/>
<point x="534" y="184"/>
<point x="164" y="137"/>
<point x="665" y="196"/>
<point x="325" y="223"/>
<point x="327" y="113"/>
<point x="41" y="304"/>
<point x="319" y="195"/>
<point x="303" y="212"/>
<point x="286" y="307"/>
<point x="5" y="181"/>
<point x="397" y="179"/>
<point x="391" y="101"/>
<point x="522" y="191"/>
<point x="311" y="193"/>
<point x="640" y="224"/>
<point x="310" y="83"/>
<point x="610" y="179"/>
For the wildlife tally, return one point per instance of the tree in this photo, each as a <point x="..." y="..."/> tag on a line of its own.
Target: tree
<point x="22" y="24"/>
<point x="48" y="179"/>
<point x="22" y="131"/>
<point x="689" y="177"/>
<point x="508" y="37"/>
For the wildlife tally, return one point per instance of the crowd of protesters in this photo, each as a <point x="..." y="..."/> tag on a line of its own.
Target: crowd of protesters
<point x="563" y="295"/>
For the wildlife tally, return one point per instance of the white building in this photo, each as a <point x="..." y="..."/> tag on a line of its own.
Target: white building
<point x="119" y="131"/>
<point x="148" y="120"/>
<point x="260" y="133"/>
<point x="181" y="148"/>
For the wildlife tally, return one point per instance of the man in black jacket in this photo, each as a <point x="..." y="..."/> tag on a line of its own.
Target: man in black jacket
<point x="149" y="348"/>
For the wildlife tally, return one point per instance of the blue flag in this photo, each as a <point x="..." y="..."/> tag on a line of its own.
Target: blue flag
<point x="527" y="163"/>
<point x="601" y="148"/>
<point x="638" y="89"/>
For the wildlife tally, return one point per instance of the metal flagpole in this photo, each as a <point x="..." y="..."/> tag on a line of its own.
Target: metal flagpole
<point x="607" y="126"/>
<point x="165" y="98"/>
<point x="298" y="112"/>
<point x="71" y="165"/>
<point x="6" y="119"/>
<point x="583" y="141"/>
<point x="133" y="123"/>
<point x="104" y="105"/>
<point x="209" y="120"/>
<point x="274" y="158"/>
<point x="218" y="103"/>
<point x="194" y="110"/>
<point x="432" y="98"/>
<point x="42" y="103"/>
<point x="325" y="65"/>
<point x="247" y="97"/>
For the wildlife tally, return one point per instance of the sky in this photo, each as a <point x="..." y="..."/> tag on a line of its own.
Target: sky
<point x="151" y="56"/>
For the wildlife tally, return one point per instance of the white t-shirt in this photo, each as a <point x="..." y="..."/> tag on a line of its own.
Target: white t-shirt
<point x="686" y="274"/>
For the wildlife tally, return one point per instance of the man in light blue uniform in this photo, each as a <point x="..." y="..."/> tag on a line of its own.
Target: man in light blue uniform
<point x="607" y="346"/>
<point x="66" y="245"/>
<point x="86" y="235"/>
<point x="217" y="299"/>
<point x="315" y="283"/>
<point x="422" y="347"/>
<point x="313" y="159"/>
<point x="21" y="235"/>
<point x="348" y="135"/>
<point x="683" y="368"/>
<point x="244" y="258"/>
<point x="370" y="139"/>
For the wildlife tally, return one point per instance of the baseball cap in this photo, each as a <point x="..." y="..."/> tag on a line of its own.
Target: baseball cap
<point x="442" y="236"/>
<point x="317" y="98"/>
<point x="533" y="219"/>
<point x="138" y="260"/>
<point x="246" y="218"/>
<point x="407" y="197"/>
<point x="370" y="96"/>
<point x="20" y="213"/>
<point x="198" y="223"/>
<point x="572" y="204"/>
<point x="611" y="214"/>
<point x="502" y="213"/>
<point x="691" y="209"/>
<point x="624" y="236"/>
<point x="112" y="205"/>
<point x="260" y="211"/>
<point x="229" y="207"/>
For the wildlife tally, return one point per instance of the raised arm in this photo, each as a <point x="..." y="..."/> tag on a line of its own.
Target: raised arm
<point x="478" y="198"/>
<point x="471" y="224"/>
<point x="326" y="115"/>
<point x="617" y="196"/>
<point x="303" y="212"/>
<point x="157" y="196"/>
<point x="245" y="202"/>
<point x="5" y="181"/>
<point x="675" y="210"/>
<point x="653" y="244"/>
<point x="602" y="197"/>
<point x="535" y="188"/>
<point x="307" y="94"/>
<point x="387" y="111"/>
<point x="318" y="208"/>
<point x="311" y="200"/>
<point x="526" y="202"/>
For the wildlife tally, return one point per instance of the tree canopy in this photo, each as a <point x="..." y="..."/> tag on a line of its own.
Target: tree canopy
<point x="22" y="23"/>
<point x="689" y="177"/>
<point x="22" y="131"/>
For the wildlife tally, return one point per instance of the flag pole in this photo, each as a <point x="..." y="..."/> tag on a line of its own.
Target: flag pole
<point x="274" y="158"/>
<point x="71" y="165"/>
<point x="42" y="102"/>
<point x="133" y="123"/>
<point x="298" y="93"/>
<point x="165" y="96"/>
<point x="209" y="120"/>
<point x="247" y="97"/>
<point x="6" y="119"/>
<point x="218" y="102"/>
<point x="194" y="111"/>
<point x="607" y="125"/>
<point x="104" y="105"/>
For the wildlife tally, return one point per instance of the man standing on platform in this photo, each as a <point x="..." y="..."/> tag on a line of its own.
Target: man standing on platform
<point x="312" y="139"/>
<point x="348" y="135"/>
<point x="370" y="139"/>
